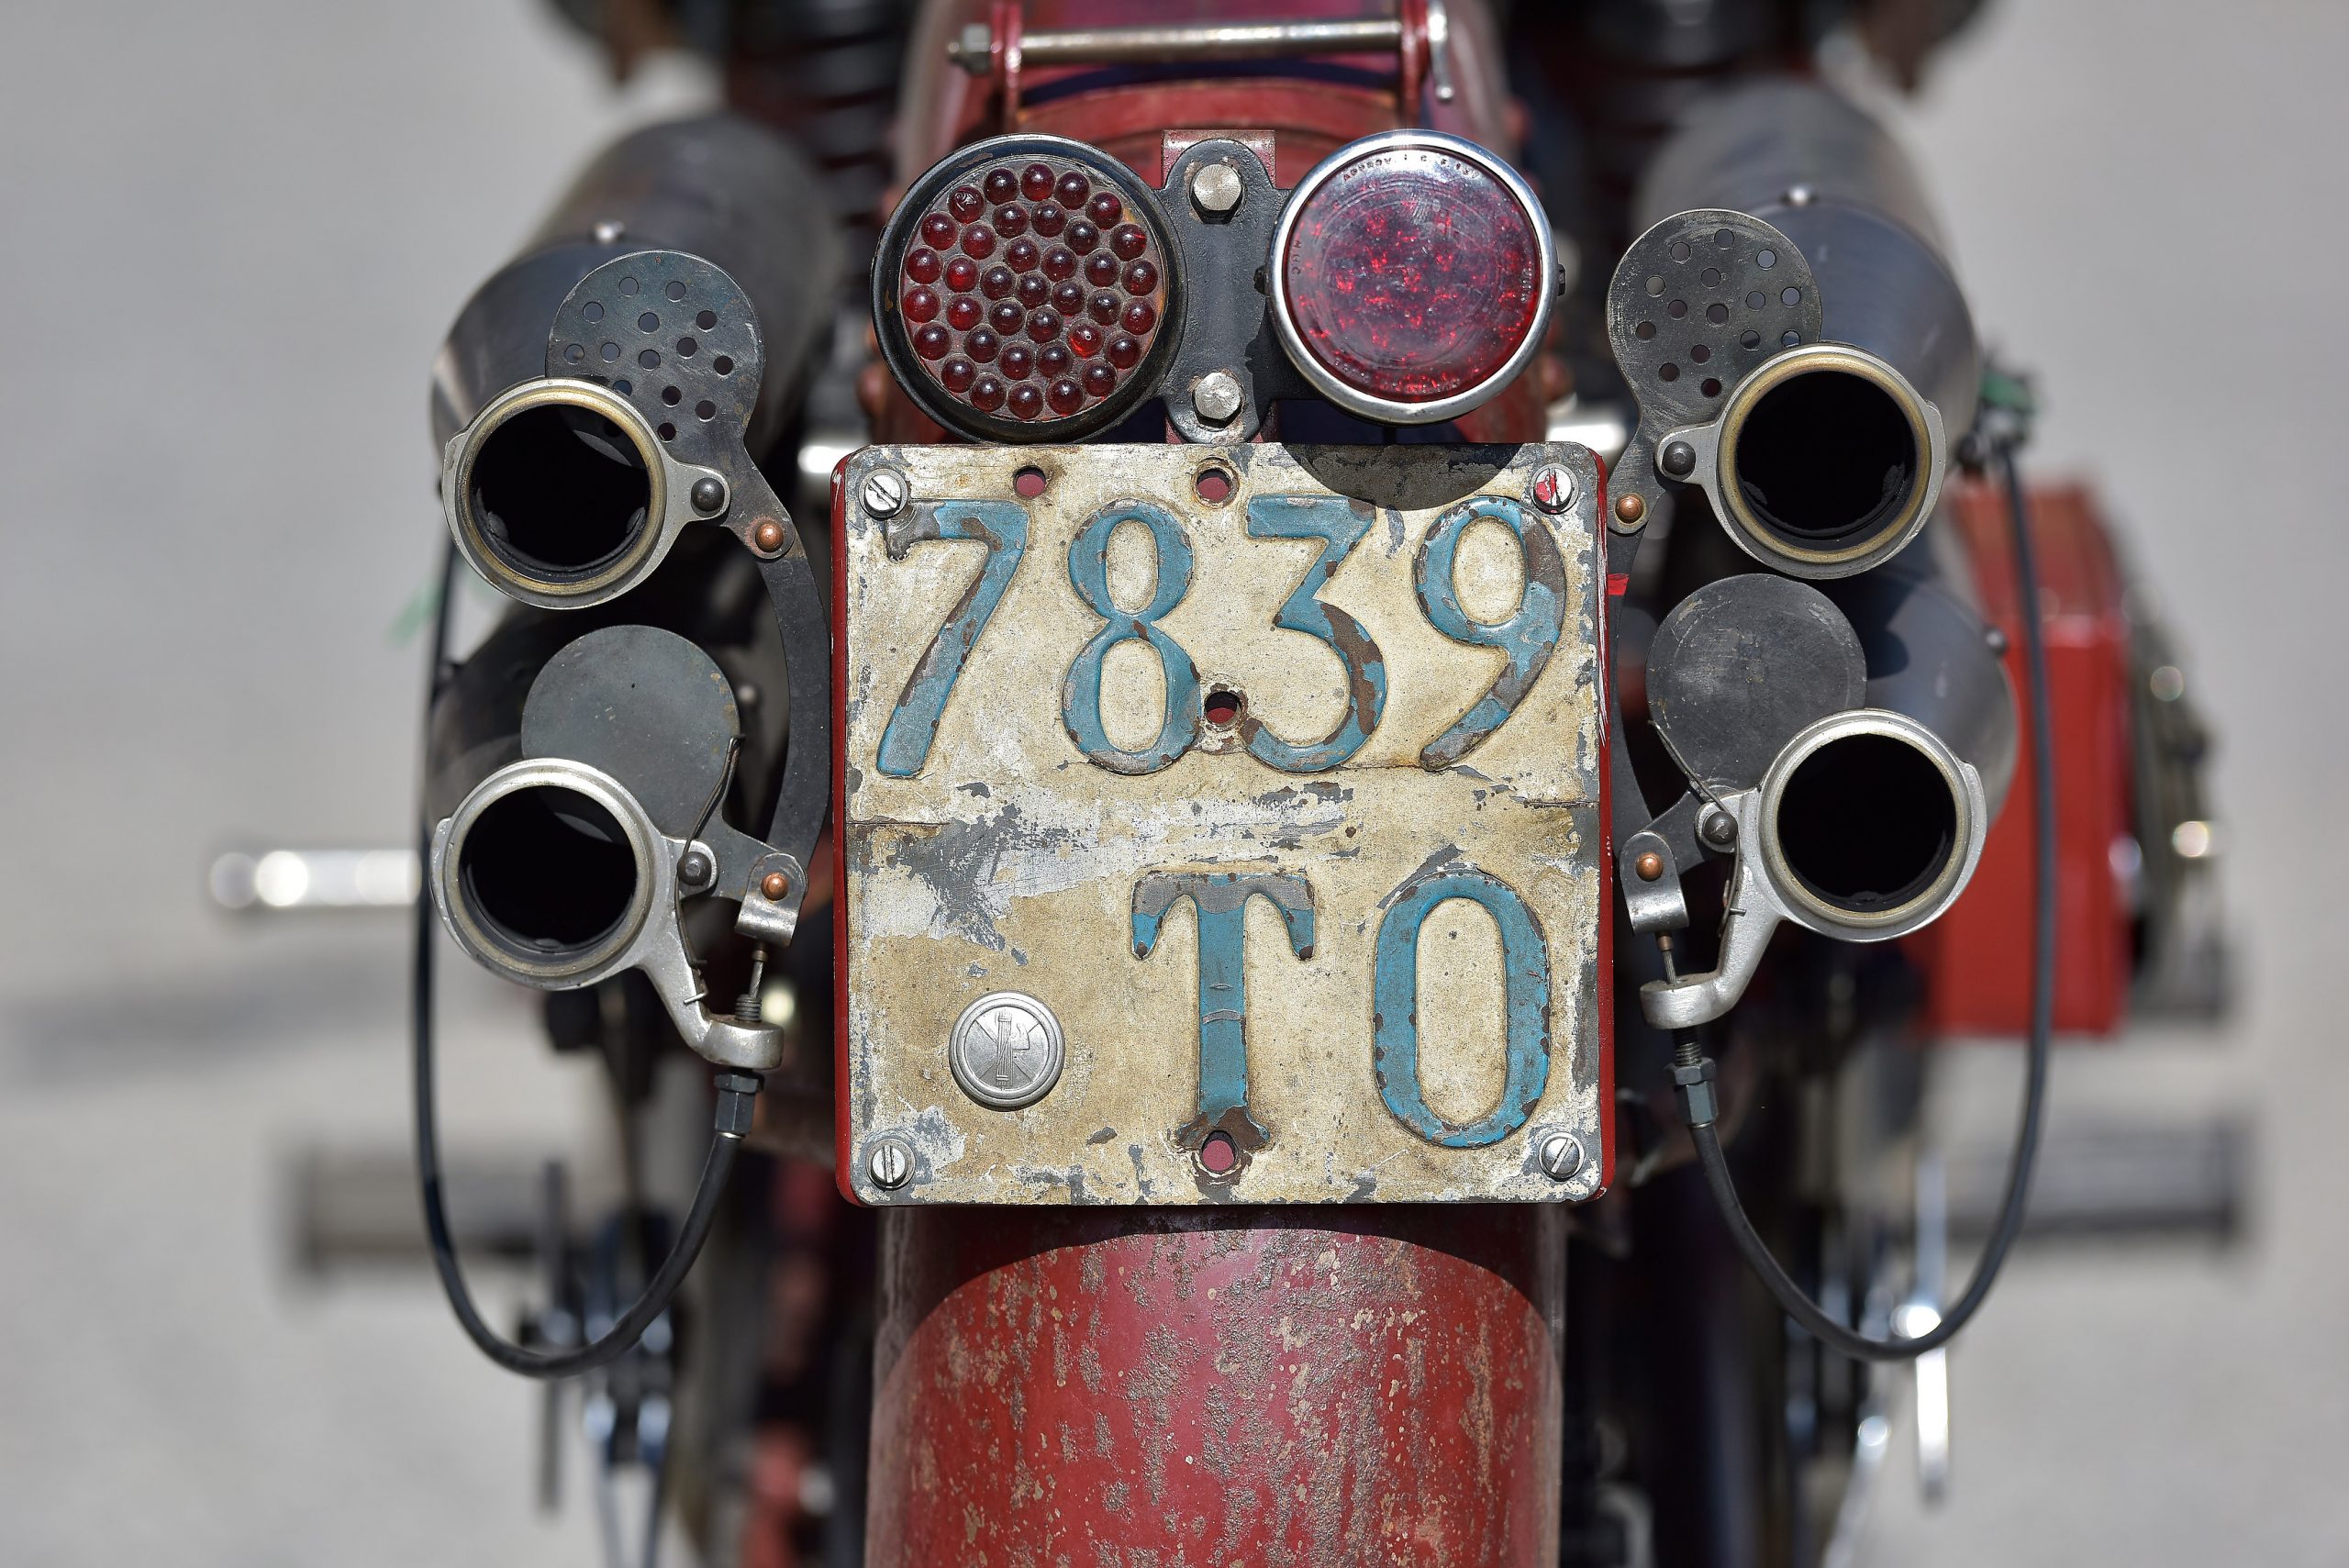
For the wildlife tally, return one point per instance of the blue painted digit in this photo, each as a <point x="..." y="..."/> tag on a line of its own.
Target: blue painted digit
<point x="1088" y="572"/>
<point x="1395" y="1001"/>
<point x="1339" y="526"/>
<point x="1221" y="899"/>
<point x="1002" y="527"/>
<point x="1528" y="637"/>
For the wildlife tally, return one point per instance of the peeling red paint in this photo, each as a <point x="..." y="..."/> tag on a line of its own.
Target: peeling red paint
<point x="1188" y="1390"/>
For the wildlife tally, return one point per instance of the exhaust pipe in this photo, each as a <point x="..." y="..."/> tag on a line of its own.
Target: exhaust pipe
<point x="552" y="874"/>
<point x="573" y="451"/>
<point x="1825" y="462"/>
<point x="545" y="873"/>
<point x="1866" y="827"/>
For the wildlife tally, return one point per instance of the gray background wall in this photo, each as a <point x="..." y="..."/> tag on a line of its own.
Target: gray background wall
<point x="230" y="236"/>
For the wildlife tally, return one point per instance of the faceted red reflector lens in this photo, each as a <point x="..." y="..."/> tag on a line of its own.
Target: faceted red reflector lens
<point x="1412" y="275"/>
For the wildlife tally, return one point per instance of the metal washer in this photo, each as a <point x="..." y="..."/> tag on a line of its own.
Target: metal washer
<point x="1006" y="1051"/>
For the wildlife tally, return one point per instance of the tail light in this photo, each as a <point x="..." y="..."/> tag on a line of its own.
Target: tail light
<point x="1023" y="290"/>
<point x="1412" y="276"/>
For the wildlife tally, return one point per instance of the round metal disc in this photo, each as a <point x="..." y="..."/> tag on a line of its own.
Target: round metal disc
<point x="1742" y="666"/>
<point x="1006" y="1051"/>
<point x="645" y="706"/>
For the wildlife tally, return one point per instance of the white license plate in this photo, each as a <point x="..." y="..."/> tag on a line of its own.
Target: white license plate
<point x="1205" y="846"/>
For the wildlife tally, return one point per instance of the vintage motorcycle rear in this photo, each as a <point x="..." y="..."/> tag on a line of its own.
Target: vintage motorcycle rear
<point x="1243" y="835"/>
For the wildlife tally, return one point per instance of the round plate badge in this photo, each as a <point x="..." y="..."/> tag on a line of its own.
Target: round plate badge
<point x="1006" y="1051"/>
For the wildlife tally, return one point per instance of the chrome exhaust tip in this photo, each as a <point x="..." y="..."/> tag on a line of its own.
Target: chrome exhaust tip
<point x="1869" y="826"/>
<point x="559" y="493"/>
<point x="546" y="874"/>
<point x="1824" y="462"/>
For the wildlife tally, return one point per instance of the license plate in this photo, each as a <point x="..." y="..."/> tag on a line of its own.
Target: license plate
<point x="1221" y="824"/>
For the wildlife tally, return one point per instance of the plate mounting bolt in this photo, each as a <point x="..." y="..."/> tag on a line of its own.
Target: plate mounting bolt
<point x="1561" y="1155"/>
<point x="1216" y="398"/>
<point x="1216" y="188"/>
<point x="1552" y="488"/>
<point x="882" y="492"/>
<point x="890" y="1163"/>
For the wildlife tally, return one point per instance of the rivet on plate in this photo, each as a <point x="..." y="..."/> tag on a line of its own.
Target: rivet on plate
<point x="1629" y="509"/>
<point x="1650" y="866"/>
<point x="774" y="886"/>
<point x="767" y="536"/>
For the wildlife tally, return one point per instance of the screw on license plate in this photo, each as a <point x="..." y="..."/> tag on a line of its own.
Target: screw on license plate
<point x="1561" y="1155"/>
<point x="1552" y="488"/>
<point x="890" y="1163"/>
<point x="884" y="492"/>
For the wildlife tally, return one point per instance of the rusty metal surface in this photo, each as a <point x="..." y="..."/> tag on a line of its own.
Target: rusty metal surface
<point x="1027" y="845"/>
<point x="1270" y="1387"/>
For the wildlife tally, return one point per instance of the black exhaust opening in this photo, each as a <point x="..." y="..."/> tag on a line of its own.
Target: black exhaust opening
<point x="1868" y="823"/>
<point x="547" y="872"/>
<point x="558" y="492"/>
<point x="1826" y="459"/>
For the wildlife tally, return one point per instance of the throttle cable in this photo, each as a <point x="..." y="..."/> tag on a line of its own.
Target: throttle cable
<point x="737" y="1092"/>
<point x="1693" y="1069"/>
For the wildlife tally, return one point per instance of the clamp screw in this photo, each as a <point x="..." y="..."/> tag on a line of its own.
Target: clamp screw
<point x="1552" y="489"/>
<point x="1679" y="460"/>
<point x="1216" y="188"/>
<point x="889" y="1162"/>
<point x="883" y="493"/>
<point x="774" y="886"/>
<point x="708" y="494"/>
<point x="1561" y="1156"/>
<point x="1216" y="398"/>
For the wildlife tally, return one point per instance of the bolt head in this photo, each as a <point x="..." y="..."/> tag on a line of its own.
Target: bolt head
<point x="1561" y="1155"/>
<point x="767" y="536"/>
<point x="889" y="1162"/>
<point x="708" y="494"/>
<point x="1679" y="460"/>
<point x="1216" y="188"/>
<point x="883" y="493"/>
<point x="610" y="232"/>
<point x="1719" y="828"/>
<point x="1650" y="866"/>
<point x="1552" y="489"/>
<point x="775" y="884"/>
<point x="693" y="868"/>
<point x="1629" y="509"/>
<point x="1216" y="398"/>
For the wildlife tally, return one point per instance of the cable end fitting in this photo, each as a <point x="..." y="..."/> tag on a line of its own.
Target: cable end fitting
<point x="1692" y="1083"/>
<point x="738" y="1094"/>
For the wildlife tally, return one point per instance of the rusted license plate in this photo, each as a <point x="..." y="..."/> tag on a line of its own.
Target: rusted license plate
<point x="1221" y="824"/>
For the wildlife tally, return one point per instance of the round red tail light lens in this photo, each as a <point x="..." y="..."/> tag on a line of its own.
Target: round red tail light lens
<point x="1412" y="276"/>
<point x="1050" y="310"/>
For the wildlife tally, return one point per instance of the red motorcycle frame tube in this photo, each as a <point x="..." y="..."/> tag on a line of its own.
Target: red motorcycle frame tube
<point x="1274" y="1385"/>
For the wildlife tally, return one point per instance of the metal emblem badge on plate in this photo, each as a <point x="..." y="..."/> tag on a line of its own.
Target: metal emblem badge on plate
<point x="1221" y="825"/>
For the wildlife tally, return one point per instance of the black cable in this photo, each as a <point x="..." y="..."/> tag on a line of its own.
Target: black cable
<point x="1694" y="1072"/>
<point x="735" y="1094"/>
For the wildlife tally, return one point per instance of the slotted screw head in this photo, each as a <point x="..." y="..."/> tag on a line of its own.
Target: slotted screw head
<point x="1561" y="1156"/>
<point x="884" y="492"/>
<point x="889" y="1162"/>
<point x="1552" y="489"/>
